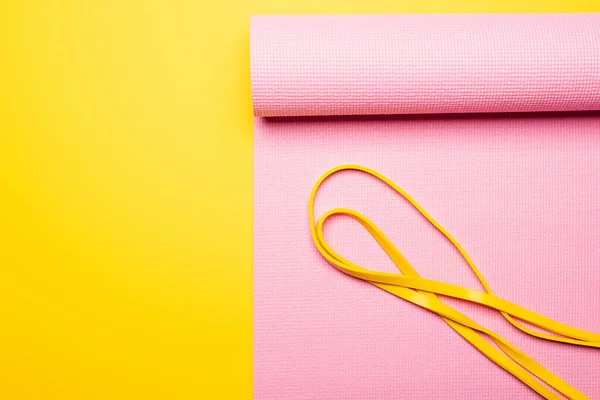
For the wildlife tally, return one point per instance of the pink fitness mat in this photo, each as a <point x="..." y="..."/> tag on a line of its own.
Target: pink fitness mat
<point x="491" y="123"/>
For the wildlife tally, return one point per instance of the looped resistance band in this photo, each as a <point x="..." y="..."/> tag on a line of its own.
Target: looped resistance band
<point x="423" y="292"/>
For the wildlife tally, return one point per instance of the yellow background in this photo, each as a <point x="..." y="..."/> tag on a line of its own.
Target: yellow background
<point x="126" y="192"/>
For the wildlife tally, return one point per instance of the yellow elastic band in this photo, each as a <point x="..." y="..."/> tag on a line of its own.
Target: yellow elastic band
<point x="423" y="292"/>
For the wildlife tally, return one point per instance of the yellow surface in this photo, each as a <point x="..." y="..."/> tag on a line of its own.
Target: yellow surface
<point x="126" y="192"/>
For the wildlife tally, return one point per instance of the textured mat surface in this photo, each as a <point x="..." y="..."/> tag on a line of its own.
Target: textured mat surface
<point x="520" y="192"/>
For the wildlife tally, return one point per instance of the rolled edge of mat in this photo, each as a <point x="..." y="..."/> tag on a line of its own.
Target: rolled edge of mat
<point x="424" y="64"/>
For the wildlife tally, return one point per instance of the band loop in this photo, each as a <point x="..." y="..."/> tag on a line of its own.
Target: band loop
<point x="423" y="292"/>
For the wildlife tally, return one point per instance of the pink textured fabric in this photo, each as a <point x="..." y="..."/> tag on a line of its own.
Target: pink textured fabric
<point x="420" y="64"/>
<point x="520" y="192"/>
